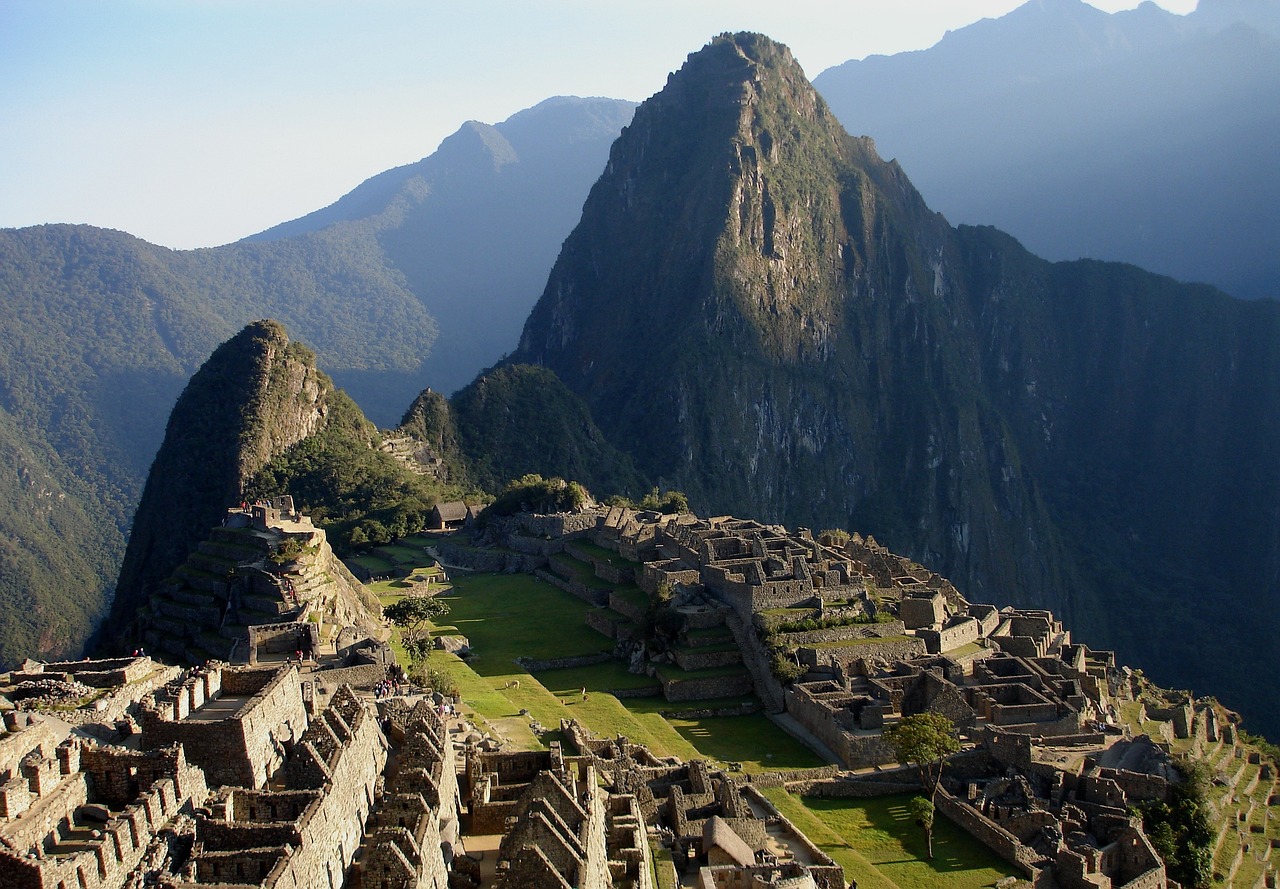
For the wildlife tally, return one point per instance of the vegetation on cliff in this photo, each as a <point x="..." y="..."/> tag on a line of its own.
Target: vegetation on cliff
<point x="1180" y="829"/>
<point x="358" y="494"/>
<point x="515" y="420"/>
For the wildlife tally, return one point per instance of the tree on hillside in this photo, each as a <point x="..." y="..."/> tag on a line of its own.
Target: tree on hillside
<point x="924" y="740"/>
<point x="412" y="612"/>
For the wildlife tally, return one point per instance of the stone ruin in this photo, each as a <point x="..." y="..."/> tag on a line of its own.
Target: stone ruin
<point x="878" y="638"/>
<point x="234" y="582"/>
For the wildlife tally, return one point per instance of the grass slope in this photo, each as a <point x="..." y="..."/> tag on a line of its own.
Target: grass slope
<point x="878" y="844"/>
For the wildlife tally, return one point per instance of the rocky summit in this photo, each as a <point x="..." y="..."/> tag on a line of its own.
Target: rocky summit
<point x="764" y="313"/>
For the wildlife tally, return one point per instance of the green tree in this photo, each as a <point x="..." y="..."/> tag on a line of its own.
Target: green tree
<point x="922" y="810"/>
<point x="925" y="741"/>
<point x="1180" y="828"/>
<point x="412" y="612"/>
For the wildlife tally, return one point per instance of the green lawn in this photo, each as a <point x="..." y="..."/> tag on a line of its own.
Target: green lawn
<point x="506" y="616"/>
<point x="511" y="615"/>
<point x="672" y="673"/>
<point x="751" y="740"/>
<point x="403" y="555"/>
<point x="878" y="844"/>
<point x="417" y="541"/>
<point x="373" y="564"/>
<point x="595" y="678"/>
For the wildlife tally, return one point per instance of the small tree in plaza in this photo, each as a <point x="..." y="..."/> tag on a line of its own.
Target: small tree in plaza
<point x="925" y="741"/>
<point x="922" y="810"/>
<point x="412" y="612"/>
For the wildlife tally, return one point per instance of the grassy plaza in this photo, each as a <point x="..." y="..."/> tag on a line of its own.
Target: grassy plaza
<point x="510" y="616"/>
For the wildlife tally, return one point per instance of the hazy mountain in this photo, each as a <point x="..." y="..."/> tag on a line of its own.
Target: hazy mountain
<point x="1140" y="136"/>
<point x="766" y="315"/>
<point x="103" y="329"/>
<point x="473" y="230"/>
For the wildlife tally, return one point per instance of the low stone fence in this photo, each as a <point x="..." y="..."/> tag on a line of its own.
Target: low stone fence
<point x="586" y="594"/>
<point x="794" y="776"/>
<point x="837" y="786"/>
<point x="534" y="665"/>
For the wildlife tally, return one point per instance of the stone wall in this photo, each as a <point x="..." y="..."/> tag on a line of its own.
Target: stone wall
<point x="890" y="649"/>
<point x="990" y="834"/>
<point x="146" y="791"/>
<point x="245" y="747"/>
<point x="611" y="624"/>
<point x="696" y="689"/>
<point x="493" y="561"/>
<point x="703" y="659"/>
<point x="960" y="633"/>
<point x="834" y="634"/>
<point x="627" y="607"/>
<point x="672" y="572"/>
<point x="363" y="676"/>
<point x="347" y="754"/>
<point x="26" y="733"/>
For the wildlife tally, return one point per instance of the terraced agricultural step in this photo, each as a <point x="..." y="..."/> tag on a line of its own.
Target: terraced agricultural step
<point x="214" y="564"/>
<point x="205" y="615"/>
<point x="232" y="552"/>
<point x="202" y="580"/>
<point x="264" y="605"/>
<point x="194" y="598"/>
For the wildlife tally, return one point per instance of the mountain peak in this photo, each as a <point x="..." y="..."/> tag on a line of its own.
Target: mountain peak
<point x="256" y="395"/>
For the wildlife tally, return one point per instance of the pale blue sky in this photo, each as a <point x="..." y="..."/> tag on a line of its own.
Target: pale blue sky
<point x="197" y="122"/>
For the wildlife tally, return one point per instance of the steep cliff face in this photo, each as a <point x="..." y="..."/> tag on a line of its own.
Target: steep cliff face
<point x="765" y="314"/>
<point x="257" y="395"/>
<point x="756" y="304"/>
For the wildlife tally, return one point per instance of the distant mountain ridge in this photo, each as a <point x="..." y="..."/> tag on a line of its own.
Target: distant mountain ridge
<point x="103" y="331"/>
<point x="473" y="230"/>
<point x="767" y="316"/>
<point x="1140" y="136"/>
